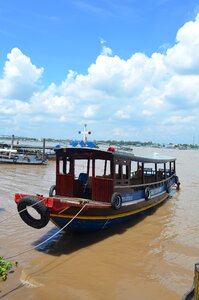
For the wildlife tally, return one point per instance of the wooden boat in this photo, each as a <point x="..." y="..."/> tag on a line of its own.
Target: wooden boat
<point x="96" y="189"/>
<point x="193" y="292"/>
<point x="11" y="156"/>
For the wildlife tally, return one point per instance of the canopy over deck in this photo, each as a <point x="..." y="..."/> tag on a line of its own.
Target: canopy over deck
<point x="153" y="158"/>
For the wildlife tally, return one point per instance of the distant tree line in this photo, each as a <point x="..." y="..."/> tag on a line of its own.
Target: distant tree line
<point x="120" y="143"/>
<point x="126" y="143"/>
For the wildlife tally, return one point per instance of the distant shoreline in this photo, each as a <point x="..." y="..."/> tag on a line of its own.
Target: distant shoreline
<point x="119" y="144"/>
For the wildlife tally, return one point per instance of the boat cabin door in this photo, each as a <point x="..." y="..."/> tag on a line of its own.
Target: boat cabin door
<point x="83" y="178"/>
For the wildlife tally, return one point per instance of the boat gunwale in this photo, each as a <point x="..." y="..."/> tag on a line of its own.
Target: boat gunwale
<point x="84" y="200"/>
<point x="114" y="216"/>
<point x="145" y="184"/>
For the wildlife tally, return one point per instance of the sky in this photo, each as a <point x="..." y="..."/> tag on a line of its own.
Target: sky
<point x="129" y="69"/>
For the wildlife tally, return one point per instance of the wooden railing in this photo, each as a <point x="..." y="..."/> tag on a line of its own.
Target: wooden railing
<point x="102" y="189"/>
<point x="65" y="185"/>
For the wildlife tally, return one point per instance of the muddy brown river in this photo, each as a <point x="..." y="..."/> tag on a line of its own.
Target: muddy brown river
<point x="150" y="258"/>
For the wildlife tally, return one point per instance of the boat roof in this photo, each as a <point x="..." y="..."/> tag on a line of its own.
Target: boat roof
<point x="153" y="158"/>
<point x="5" y="150"/>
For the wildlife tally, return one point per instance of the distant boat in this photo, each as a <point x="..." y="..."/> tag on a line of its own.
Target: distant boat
<point x="11" y="156"/>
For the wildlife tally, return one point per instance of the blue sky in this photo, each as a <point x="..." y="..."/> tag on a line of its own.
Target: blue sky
<point x="129" y="69"/>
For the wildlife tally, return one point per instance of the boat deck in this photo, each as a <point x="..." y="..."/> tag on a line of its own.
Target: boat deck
<point x="80" y="201"/>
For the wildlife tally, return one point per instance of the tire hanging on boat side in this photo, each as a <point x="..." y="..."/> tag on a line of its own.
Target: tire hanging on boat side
<point x="52" y="191"/>
<point x="177" y="182"/>
<point x="176" y="179"/>
<point x="41" y="209"/>
<point x="147" y="193"/>
<point x="168" y="187"/>
<point x="116" y="201"/>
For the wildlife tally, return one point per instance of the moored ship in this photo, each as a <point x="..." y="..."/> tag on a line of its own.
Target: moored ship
<point x="11" y="156"/>
<point x="107" y="186"/>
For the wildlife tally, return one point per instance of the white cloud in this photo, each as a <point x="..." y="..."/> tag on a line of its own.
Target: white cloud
<point x="138" y="97"/>
<point x="19" y="77"/>
<point x="106" y="51"/>
<point x="181" y="120"/>
<point x="123" y="133"/>
<point x="122" y="114"/>
<point x="184" y="56"/>
<point x="90" y="111"/>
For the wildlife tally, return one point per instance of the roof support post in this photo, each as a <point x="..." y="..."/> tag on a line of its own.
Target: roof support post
<point x="143" y="173"/>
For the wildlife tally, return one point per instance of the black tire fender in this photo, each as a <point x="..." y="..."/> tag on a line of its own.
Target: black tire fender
<point x="168" y="187"/>
<point x="147" y="193"/>
<point x="177" y="182"/>
<point x="15" y="160"/>
<point x="116" y="201"/>
<point x="176" y="179"/>
<point x="52" y="191"/>
<point x="38" y="206"/>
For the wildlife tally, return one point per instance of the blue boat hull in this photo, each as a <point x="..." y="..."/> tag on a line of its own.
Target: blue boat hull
<point x="92" y="223"/>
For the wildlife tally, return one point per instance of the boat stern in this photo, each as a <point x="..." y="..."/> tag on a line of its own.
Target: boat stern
<point x="47" y="201"/>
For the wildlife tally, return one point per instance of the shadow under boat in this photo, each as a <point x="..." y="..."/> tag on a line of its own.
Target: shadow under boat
<point x="68" y="241"/>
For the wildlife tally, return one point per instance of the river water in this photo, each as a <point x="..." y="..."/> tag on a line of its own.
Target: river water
<point x="150" y="258"/>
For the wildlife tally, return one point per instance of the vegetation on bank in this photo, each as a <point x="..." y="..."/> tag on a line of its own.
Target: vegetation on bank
<point x="149" y="144"/>
<point x="5" y="268"/>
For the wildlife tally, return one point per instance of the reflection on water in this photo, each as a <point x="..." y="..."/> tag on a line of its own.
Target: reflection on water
<point x="152" y="257"/>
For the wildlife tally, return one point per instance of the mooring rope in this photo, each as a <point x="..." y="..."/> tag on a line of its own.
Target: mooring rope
<point x="18" y="212"/>
<point x="32" y="248"/>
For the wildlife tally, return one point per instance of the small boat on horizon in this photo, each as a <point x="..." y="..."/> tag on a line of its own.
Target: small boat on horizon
<point x="11" y="156"/>
<point x="96" y="189"/>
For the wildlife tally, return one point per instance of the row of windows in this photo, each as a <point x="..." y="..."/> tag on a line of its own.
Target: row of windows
<point x="103" y="168"/>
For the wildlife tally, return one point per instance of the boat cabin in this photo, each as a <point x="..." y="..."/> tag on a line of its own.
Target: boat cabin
<point x="96" y="174"/>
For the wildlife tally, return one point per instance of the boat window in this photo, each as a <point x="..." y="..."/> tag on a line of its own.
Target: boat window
<point x="122" y="171"/>
<point x="80" y="166"/>
<point x="134" y="168"/>
<point x="149" y="169"/>
<point x="166" y="169"/>
<point x="102" y="167"/>
<point x="64" y="165"/>
<point x="125" y="171"/>
<point x="118" y="171"/>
